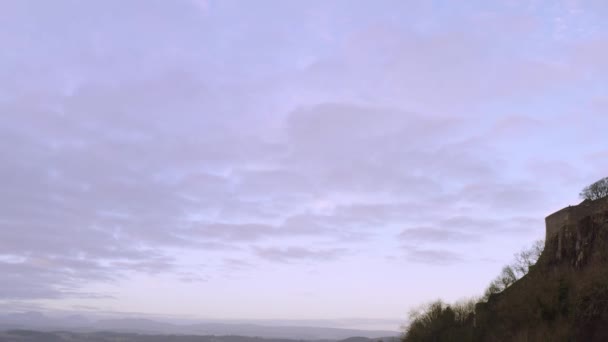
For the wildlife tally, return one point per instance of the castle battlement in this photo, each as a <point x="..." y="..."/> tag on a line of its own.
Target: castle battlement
<point x="572" y="214"/>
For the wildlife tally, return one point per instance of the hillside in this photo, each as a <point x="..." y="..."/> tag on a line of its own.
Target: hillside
<point x="564" y="297"/>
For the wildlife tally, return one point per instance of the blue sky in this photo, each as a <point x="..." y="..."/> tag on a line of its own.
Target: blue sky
<point x="287" y="159"/>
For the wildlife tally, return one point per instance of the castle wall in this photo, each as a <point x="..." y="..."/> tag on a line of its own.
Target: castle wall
<point x="556" y="221"/>
<point x="572" y="214"/>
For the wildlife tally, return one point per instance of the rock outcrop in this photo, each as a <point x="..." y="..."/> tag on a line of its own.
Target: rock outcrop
<point x="564" y="297"/>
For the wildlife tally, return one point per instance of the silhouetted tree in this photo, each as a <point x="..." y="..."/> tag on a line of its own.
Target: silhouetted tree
<point x="463" y="309"/>
<point x="439" y="322"/>
<point x="596" y="190"/>
<point x="517" y="269"/>
<point x="527" y="258"/>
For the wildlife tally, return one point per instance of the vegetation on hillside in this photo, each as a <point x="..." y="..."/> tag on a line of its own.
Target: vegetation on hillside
<point x="518" y="268"/>
<point x="439" y="322"/>
<point x="564" y="299"/>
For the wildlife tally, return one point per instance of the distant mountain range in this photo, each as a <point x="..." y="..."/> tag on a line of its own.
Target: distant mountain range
<point x="61" y="336"/>
<point x="79" y="324"/>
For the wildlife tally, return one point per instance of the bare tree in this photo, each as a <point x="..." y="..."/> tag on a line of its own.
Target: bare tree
<point x="507" y="276"/>
<point x="493" y="288"/>
<point x="464" y="308"/>
<point x="516" y="270"/>
<point x="440" y="322"/>
<point x="596" y="190"/>
<point x="527" y="258"/>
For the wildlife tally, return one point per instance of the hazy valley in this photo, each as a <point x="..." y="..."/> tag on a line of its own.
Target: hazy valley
<point x="39" y="324"/>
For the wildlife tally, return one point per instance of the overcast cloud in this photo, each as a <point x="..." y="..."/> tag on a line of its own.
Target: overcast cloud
<point x="186" y="157"/>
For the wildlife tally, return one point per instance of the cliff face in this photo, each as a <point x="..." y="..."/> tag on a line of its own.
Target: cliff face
<point x="564" y="297"/>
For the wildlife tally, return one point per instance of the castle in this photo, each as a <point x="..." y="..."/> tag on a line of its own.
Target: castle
<point x="571" y="215"/>
<point x="564" y="296"/>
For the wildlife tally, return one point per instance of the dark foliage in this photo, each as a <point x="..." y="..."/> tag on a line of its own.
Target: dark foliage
<point x="596" y="190"/>
<point x="438" y="322"/>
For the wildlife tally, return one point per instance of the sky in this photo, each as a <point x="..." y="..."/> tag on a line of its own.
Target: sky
<point x="295" y="160"/>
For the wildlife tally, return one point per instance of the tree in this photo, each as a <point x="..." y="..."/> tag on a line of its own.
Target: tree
<point x="516" y="270"/>
<point x="463" y="309"/>
<point x="505" y="279"/>
<point x="507" y="276"/>
<point x="493" y="288"/>
<point x="440" y="322"/>
<point x="426" y="323"/>
<point x="596" y="190"/>
<point x="527" y="258"/>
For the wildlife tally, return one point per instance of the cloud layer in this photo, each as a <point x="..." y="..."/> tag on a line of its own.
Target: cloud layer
<point x="198" y="142"/>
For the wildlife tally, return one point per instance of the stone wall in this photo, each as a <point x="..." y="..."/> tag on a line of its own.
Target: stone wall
<point x="570" y="215"/>
<point x="564" y="296"/>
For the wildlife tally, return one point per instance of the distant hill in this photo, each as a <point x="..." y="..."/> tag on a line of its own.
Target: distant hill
<point x="34" y="321"/>
<point x="61" y="336"/>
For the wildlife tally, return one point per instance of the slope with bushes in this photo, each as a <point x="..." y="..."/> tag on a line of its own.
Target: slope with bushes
<point x="562" y="297"/>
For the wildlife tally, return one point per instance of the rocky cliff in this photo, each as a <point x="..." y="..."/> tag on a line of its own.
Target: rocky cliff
<point x="564" y="297"/>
